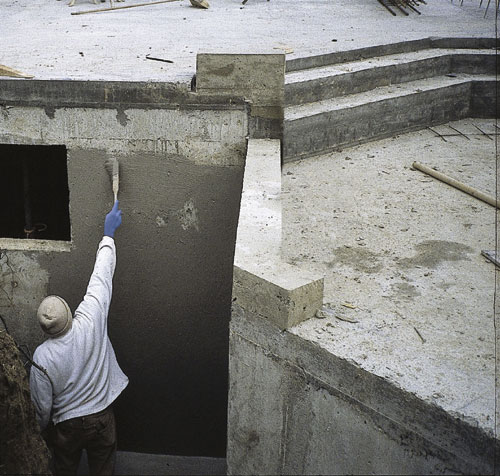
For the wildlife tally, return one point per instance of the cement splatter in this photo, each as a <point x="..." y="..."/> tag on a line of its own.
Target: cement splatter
<point x="405" y="291"/>
<point x="431" y="253"/>
<point x="359" y="259"/>
<point x="188" y="216"/>
<point x="122" y="117"/>
<point x="50" y="111"/>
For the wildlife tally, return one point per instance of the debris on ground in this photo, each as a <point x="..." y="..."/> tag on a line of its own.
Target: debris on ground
<point x="200" y="3"/>
<point x="22" y="449"/>
<point x="13" y="73"/>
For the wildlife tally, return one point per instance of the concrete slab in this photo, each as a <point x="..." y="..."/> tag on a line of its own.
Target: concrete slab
<point x="410" y="298"/>
<point x="43" y="38"/>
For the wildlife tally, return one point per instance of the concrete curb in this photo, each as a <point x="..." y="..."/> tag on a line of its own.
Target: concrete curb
<point x="262" y="283"/>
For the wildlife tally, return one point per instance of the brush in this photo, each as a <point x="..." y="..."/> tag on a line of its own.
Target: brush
<point x="113" y="168"/>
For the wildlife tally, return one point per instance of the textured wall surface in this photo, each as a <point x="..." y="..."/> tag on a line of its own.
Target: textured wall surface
<point x="181" y="164"/>
<point x="297" y="409"/>
<point x="259" y="78"/>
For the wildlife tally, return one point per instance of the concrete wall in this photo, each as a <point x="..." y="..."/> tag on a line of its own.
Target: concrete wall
<point x="259" y="78"/>
<point x="181" y="160"/>
<point x="297" y="409"/>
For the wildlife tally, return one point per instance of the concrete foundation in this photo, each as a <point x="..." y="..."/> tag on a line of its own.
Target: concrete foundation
<point x="182" y="146"/>
<point x="395" y="374"/>
<point x="296" y="409"/>
<point x="340" y="100"/>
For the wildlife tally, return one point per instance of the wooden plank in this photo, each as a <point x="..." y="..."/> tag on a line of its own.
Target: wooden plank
<point x="12" y="73"/>
<point x="121" y="8"/>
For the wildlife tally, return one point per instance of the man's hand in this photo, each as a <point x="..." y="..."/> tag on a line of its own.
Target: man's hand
<point x="113" y="221"/>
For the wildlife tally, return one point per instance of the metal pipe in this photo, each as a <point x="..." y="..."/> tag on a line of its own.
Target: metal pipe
<point x="28" y="224"/>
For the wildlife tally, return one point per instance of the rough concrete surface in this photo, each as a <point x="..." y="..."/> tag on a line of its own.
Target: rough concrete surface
<point x="263" y="283"/>
<point x="42" y="38"/>
<point x="408" y="295"/>
<point x="296" y="408"/>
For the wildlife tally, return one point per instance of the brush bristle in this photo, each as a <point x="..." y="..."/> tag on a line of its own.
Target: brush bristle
<point x="112" y="167"/>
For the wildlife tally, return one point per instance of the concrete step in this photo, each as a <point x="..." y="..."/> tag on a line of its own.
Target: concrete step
<point x="333" y="80"/>
<point x="315" y="128"/>
<point x="357" y="54"/>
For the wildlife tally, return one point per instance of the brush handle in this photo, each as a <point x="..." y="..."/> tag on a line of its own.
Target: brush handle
<point x="115" y="187"/>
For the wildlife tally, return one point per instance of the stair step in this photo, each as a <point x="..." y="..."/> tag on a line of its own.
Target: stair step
<point x="378" y="94"/>
<point x="316" y="128"/>
<point x="317" y="84"/>
<point x="336" y="57"/>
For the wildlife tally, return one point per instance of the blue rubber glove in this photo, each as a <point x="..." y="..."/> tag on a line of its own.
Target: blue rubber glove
<point x="113" y="221"/>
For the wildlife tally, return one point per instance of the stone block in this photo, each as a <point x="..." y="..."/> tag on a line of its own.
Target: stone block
<point x="278" y="292"/>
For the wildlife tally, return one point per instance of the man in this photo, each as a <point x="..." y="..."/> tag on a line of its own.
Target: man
<point x="82" y="377"/>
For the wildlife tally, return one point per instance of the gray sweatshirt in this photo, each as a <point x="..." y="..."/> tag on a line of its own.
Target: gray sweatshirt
<point x="81" y="364"/>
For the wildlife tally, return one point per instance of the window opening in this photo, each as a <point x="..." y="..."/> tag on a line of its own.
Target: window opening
<point x="34" y="192"/>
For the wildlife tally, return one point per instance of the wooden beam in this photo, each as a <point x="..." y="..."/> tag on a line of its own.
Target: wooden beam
<point x="13" y="73"/>
<point x="121" y="8"/>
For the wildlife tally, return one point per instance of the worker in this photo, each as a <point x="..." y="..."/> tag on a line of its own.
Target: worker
<point x="78" y="376"/>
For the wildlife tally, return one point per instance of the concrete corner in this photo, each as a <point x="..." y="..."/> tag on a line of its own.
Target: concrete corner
<point x="259" y="78"/>
<point x="262" y="283"/>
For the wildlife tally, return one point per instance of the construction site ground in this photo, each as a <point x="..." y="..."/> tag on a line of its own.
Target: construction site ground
<point x="42" y="38"/>
<point x="408" y="294"/>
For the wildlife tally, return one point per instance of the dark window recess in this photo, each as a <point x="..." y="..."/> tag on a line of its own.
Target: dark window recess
<point x="34" y="192"/>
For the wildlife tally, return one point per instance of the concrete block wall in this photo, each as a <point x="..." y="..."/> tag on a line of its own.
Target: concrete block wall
<point x="182" y="160"/>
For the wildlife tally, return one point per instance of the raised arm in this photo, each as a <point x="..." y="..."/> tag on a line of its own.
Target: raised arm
<point x="98" y="296"/>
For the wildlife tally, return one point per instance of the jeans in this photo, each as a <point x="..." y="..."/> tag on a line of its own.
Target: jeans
<point x="96" y="433"/>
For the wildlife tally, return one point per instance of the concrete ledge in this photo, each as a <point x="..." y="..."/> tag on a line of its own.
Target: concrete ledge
<point x="352" y="124"/>
<point x="319" y="84"/>
<point x="35" y="245"/>
<point x="262" y="283"/>
<point x="281" y="293"/>
<point x="105" y="94"/>
<point x="311" y="412"/>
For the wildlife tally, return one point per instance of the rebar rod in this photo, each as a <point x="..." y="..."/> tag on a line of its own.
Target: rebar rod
<point x="388" y="8"/>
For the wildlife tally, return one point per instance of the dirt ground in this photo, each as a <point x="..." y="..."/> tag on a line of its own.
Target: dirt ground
<point x="22" y="449"/>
